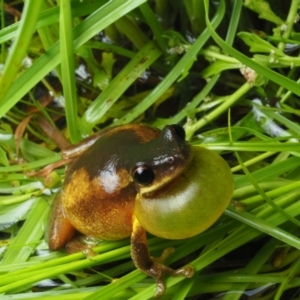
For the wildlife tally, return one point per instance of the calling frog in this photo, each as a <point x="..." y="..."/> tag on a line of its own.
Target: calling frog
<point x="132" y="179"/>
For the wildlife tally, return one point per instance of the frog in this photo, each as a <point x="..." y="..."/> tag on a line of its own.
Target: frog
<point x="132" y="179"/>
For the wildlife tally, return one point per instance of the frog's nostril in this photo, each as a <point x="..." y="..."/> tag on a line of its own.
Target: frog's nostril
<point x="179" y="131"/>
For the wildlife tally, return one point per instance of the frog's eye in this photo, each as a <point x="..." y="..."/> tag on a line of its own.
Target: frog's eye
<point x="179" y="131"/>
<point x="143" y="175"/>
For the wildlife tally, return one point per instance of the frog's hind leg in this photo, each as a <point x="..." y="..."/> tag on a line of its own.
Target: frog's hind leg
<point x="59" y="230"/>
<point x="153" y="267"/>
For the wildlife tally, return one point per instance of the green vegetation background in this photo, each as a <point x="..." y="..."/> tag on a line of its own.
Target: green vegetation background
<point x="226" y="70"/>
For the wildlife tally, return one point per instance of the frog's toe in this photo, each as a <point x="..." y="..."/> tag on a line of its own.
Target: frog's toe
<point x="160" y="288"/>
<point x="162" y="271"/>
<point x="187" y="271"/>
<point x="74" y="246"/>
<point x="164" y="255"/>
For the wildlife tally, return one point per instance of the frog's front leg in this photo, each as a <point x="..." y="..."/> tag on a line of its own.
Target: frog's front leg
<point x="151" y="266"/>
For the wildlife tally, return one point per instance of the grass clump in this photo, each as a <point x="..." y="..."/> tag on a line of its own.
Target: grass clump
<point x="72" y="68"/>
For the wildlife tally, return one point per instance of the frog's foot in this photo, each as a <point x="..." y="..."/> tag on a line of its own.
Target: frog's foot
<point x="153" y="267"/>
<point x="75" y="245"/>
<point x="158" y="271"/>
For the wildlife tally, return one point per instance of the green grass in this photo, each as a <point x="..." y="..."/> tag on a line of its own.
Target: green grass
<point x="166" y="62"/>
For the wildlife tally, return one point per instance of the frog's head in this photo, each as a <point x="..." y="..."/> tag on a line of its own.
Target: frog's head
<point x="160" y="160"/>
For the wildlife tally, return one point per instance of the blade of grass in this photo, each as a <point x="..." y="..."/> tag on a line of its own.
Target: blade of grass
<point x="108" y="291"/>
<point x="20" y="45"/>
<point x="66" y="259"/>
<point x="74" y="294"/>
<point x="190" y="129"/>
<point x="184" y="289"/>
<point x="26" y="280"/>
<point x="49" y="35"/>
<point x="234" y="21"/>
<point x="2" y="10"/>
<point x="128" y="27"/>
<point x="31" y="165"/>
<point x="289" y="22"/>
<point x="51" y="16"/>
<point x="109" y="48"/>
<point x="255" y="146"/>
<point x="293" y="270"/>
<point x="266" y="226"/>
<point x="264" y="195"/>
<point x="294" y="127"/>
<point x="270" y="172"/>
<point x="154" y="25"/>
<point x="68" y="70"/>
<point x="195" y="11"/>
<point x="131" y="72"/>
<point x="30" y="234"/>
